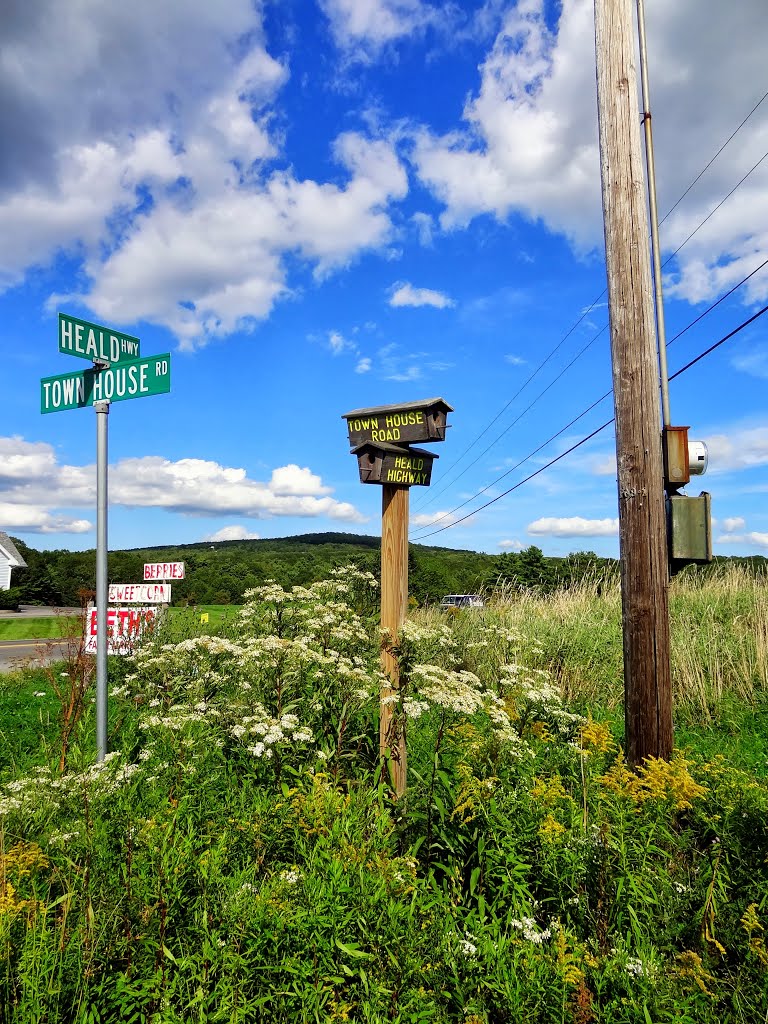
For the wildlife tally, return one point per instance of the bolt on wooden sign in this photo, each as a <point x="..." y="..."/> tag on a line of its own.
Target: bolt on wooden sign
<point x="380" y="438"/>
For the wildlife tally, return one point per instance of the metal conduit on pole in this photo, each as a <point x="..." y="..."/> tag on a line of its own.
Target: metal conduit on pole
<point x="102" y="414"/>
<point x="661" y="331"/>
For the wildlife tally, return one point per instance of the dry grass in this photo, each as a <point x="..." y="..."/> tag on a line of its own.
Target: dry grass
<point x="719" y="638"/>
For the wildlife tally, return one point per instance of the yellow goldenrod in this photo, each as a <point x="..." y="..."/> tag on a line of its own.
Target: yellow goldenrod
<point x="551" y="830"/>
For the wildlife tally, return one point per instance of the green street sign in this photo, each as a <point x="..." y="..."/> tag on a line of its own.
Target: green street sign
<point x="94" y="342"/>
<point x="137" y="379"/>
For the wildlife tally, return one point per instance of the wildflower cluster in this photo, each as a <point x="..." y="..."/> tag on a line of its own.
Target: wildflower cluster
<point x="655" y="780"/>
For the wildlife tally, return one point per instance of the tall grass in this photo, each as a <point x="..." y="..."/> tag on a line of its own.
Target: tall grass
<point x="718" y="627"/>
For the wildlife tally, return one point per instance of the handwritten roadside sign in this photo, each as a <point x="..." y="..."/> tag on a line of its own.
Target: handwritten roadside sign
<point x="126" y="627"/>
<point x="140" y="593"/>
<point x="164" y="571"/>
<point x="136" y="379"/>
<point x="94" y="342"/>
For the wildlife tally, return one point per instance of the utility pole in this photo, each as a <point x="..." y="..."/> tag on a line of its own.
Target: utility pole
<point x="642" y="525"/>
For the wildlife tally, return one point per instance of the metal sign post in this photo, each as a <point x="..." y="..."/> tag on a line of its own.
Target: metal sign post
<point x="102" y="701"/>
<point x="118" y="374"/>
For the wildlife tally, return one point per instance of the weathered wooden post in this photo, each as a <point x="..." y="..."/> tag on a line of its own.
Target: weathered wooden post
<point x="379" y="437"/>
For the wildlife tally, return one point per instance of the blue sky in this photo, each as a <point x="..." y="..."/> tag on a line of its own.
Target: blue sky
<point x="318" y="206"/>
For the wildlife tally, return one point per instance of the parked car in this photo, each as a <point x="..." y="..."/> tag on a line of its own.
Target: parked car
<point x="462" y="601"/>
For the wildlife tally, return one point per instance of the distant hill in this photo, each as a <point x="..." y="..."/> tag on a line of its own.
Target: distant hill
<point x="220" y="572"/>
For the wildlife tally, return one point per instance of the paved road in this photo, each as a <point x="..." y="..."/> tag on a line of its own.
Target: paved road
<point x="14" y="653"/>
<point x="36" y="611"/>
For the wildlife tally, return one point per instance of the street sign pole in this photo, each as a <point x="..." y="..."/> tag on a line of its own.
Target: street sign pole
<point x="102" y="694"/>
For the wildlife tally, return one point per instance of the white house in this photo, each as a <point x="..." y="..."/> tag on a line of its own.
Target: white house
<point x="9" y="559"/>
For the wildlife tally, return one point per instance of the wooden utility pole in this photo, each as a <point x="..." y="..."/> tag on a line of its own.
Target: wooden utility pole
<point x="642" y="524"/>
<point x="394" y="605"/>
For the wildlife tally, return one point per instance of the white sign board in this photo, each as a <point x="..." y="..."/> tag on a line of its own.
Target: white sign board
<point x="125" y="628"/>
<point x="140" y="593"/>
<point x="164" y="571"/>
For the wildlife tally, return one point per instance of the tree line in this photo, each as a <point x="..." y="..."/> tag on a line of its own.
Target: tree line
<point x="221" y="572"/>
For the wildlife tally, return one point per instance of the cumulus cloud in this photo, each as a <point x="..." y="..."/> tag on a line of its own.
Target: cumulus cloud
<point x="444" y="518"/>
<point x="753" y="539"/>
<point x="528" y="143"/>
<point x="733" y="523"/>
<point x="511" y="545"/>
<point x="165" y="182"/>
<point x="738" y="449"/>
<point x="233" y="532"/>
<point x="194" y="487"/>
<point x="363" y="365"/>
<point x="363" y="27"/>
<point x="37" y="519"/>
<point x="406" y="295"/>
<point x="575" y="526"/>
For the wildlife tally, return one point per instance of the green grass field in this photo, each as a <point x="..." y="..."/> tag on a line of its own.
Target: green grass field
<point x="48" y="627"/>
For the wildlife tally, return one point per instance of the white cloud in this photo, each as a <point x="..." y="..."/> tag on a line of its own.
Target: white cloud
<point x="37" y="519"/>
<point x="733" y="523"/>
<point x="338" y="343"/>
<point x="755" y="539"/>
<point x="406" y="295"/>
<point x="233" y="532"/>
<point x="365" y="26"/>
<point x="574" y="526"/>
<point x="164" y="182"/>
<point x="529" y="146"/>
<point x="514" y="360"/>
<point x="21" y="460"/>
<point x="531" y="142"/>
<point x="364" y="365"/>
<point x="425" y="226"/>
<point x="443" y="518"/>
<point x="295" y="480"/>
<point x="754" y="362"/>
<point x="741" y="448"/>
<point x="511" y="545"/>
<point x="190" y="486"/>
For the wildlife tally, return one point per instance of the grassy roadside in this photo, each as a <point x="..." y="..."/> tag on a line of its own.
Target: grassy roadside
<point x="54" y="627"/>
<point x="50" y="627"/>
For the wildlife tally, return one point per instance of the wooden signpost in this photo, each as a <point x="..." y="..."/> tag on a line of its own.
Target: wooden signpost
<point x="379" y="437"/>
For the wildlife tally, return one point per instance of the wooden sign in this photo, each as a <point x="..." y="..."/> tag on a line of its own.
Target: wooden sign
<point x="399" y="424"/>
<point x="125" y="628"/>
<point x="139" y="593"/>
<point x="164" y="571"/>
<point x="391" y="464"/>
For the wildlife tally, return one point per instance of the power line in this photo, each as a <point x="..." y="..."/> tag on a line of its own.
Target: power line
<point x="432" y="497"/>
<point x="519" y="391"/>
<point x="711" y="212"/>
<point x="717" y="154"/>
<point x="562" y="430"/>
<point x="595" y="432"/>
